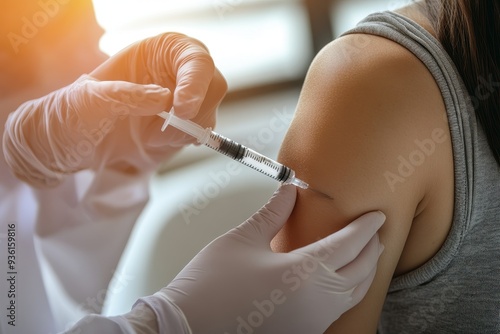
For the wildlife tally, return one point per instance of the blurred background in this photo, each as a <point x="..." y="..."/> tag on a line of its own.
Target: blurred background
<point x="263" y="48"/>
<point x="255" y="43"/>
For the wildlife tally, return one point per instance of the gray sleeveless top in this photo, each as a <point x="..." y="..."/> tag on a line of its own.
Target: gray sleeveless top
<point x="458" y="290"/>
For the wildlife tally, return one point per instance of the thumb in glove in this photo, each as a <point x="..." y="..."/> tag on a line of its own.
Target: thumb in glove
<point x="223" y="289"/>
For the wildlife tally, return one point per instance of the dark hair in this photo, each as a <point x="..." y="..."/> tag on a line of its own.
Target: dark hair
<point x="469" y="30"/>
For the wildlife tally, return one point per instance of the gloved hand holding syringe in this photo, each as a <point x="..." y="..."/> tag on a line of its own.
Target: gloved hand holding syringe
<point x="236" y="151"/>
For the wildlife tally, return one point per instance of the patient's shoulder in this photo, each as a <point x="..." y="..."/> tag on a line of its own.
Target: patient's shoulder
<point x="361" y="76"/>
<point x="368" y="60"/>
<point x="366" y="107"/>
<point x="358" y="48"/>
<point x="365" y="104"/>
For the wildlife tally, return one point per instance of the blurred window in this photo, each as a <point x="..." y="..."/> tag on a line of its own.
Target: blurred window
<point x="346" y="14"/>
<point x="253" y="42"/>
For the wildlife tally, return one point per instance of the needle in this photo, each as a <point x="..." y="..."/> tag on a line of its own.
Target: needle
<point x="322" y="194"/>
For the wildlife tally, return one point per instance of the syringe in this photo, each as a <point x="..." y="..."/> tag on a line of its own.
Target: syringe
<point x="234" y="150"/>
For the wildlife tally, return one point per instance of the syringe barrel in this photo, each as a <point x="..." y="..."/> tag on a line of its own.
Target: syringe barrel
<point x="250" y="158"/>
<point x="235" y="151"/>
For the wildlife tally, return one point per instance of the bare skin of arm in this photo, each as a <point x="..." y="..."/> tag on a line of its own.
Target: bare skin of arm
<point x="360" y="114"/>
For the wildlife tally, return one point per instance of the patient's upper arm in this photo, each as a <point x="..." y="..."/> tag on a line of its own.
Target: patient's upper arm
<point x="357" y="114"/>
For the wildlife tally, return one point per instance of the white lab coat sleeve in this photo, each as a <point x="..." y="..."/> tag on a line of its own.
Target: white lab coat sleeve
<point x="96" y="324"/>
<point x="150" y="315"/>
<point x="170" y="317"/>
<point x="82" y="227"/>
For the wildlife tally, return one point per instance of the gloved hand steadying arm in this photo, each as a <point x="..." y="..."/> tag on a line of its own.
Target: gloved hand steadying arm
<point x="237" y="284"/>
<point x="108" y="118"/>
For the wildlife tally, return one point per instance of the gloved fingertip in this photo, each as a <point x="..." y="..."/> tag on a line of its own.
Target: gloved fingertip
<point x="169" y="98"/>
<point x="375" y="218"/>
<point x="283" y="199"/>
<point x="162" y="91"/>
<point x="286" y="190"/>
<point x="274" y="214"/>
<point x="188" y="101"/>
<point x="380" y="219"/>
<point x="161" y="97"/>
<point x="382" y="216"/>
<point x="186" y="109"/>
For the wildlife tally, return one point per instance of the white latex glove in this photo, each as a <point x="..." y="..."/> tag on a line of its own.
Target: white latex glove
<point x="141" y="320"/>
<point x="237" y="284"/>
<point x="109" y="119"/>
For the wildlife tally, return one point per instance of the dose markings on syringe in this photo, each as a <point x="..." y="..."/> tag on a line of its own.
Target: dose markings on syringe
<point x="265" y="168"/>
